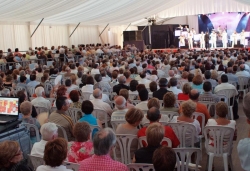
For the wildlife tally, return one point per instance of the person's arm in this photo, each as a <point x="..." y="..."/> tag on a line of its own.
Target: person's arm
<point x="133" y="161"/>
<point x="99" y="123"/>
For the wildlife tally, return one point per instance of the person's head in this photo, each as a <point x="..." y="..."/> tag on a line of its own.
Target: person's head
<point x="173" y="82"/>
<point x="62" y="103"/>
<point x="49" y="131"/>
<point x="171" y="73"/>
<point x="98" y="77"/>
<point x="103" y="141"/>
<point x="21" y="96"/>
<point x="153" y="114"/>
<point x="214" y="75"/>
<point x="82" y="131"/>
<point x="68" y="82"/>
<point x="124" y="93"/>
<point x="153" y="102"/>
<point x="190" y="77"/>
<point x="221" y="109"/>
<point x="153" y="86"/>
<point x="120" y="102"/>
<point x="246" y="106"/>
<point x="26" y="108"/>
<point x="89" y="80"/>
<point x="194" y="95"/>
<point x="32" y="77"/>
<point x="143" y="94"/>
<point x="164" y="159"/>
<point x="242" y="67"/>
<point x="133" y="84"/>
<point x="23" y="79"/>
<point x="134" y="116"/>
<point x="188" y="108"/>
<point x="74" y="96"/>
<point x="197" y="80"/>
<point x="62" y="91"/>
<point x="207" y="86"/>
<point x="154" y="134"/>
<point x="87" y="107"/>
<point x="55" y="152"/>
<point x="163" y="82"/>
<point x="224" y="78"/>
<point x="186" y="88"/>
<point x="5" y="92"/>
<point x="169" y="99"/>
<point x="122" y="79"/>
<point x="97" y="93"/>
<point x="10" y="153"/>
<point x="127" y="74"/>
<point x="207" y="74"/>
<point x="39" y="91"/>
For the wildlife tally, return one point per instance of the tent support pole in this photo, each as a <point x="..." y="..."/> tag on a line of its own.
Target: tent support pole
<point x="74" y="29"/>
<point x="103" y="30"/>
<point x="37" y="27"/>
<point x="126" y="28"/>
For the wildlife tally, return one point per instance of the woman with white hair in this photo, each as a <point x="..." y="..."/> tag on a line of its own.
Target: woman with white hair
<point x="48" y="132"/>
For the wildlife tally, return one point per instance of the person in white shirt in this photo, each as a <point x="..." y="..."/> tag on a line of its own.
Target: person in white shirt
<point x="242" y="72"/>
<point x="70" y="86"/>
<point x="225" y="85"/>
<point x="120" y="104"/>
<point x="95" y="70"/>
<point x="173" y="86"/>
<point x="182" y="40"/>
<point x="193" y="31"/>
<point x="144" y="80"/>
<point x="224" y="39"/>
<point x="202" y="40"/>
<point x="48" y="132"/>
<point x="105" y="78"/>
<point x="89" y="84"/>
<point x="186" y="28"/>
<point x="143" y="96"/>
<point x="190" y="40"/>
<point x="242" y="38"/>
<point x="234" y="38"/>
<point x="40" y="101"/>
<point x="213" y="39"/>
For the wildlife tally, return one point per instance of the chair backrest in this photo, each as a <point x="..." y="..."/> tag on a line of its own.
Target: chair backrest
<point x="140" y="166"/>
<point x="62" y="130"/>
<point x="32" y="126"/>
<point x="93" y="128"/>
<point x="135" y="102"/>
<point x="48" y="87"/>
<point x="170" y="114"/>
<point x="228" y="93"/>
<point x="115" y="123"/>
<point x="51" y="100"/>
<point x="144" y="139"/>
<point x="41" y="110"/>
<point x="72" y="166"/>
<point x="183" y="158"/>
<point x="124" y="142"/>
<point x="208" y="104"/>
<point x="132" y="96"/>
<point x="86" y="95"/>
<point x="202" y="116"/>
<point x="53" y="109"/>
<point x="101" y="115"/>
<point x="185" y="132"/>
<point x="36" y="161"/>
<point x="178" y="102"/>
<point x="31" y="91"/>
<point x="73" y="113"/>
<point x="17" y="89"/>
<point x="222" y="137"/>
<point x="243" y="81"/>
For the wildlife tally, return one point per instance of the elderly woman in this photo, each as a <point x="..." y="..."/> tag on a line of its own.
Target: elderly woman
<point x="198" y="83"/>
<point x="11" y="157"/>
<point x="169" y="102"/>
<point x="82" y="148"/>
<point x="188" y="108"/>
<point x="214" y="75"/>
<point x="54" y="155"/>
<point x="185" y="92"/>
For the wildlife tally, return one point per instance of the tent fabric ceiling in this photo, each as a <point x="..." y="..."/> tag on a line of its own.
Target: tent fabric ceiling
<point x="101" y="12"/>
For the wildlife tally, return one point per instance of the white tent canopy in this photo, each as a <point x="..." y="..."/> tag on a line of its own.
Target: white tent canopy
<point x="18" y="19"/>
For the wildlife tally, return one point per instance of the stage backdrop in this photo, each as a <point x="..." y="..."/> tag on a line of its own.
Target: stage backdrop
<point x="230" y="21"/>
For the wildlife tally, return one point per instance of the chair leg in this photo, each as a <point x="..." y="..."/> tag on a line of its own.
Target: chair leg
<point x="231" y="112"/>
<point x="210" y="161"/>
<point x="230" y="162"/>
<point x="225" y="161"/>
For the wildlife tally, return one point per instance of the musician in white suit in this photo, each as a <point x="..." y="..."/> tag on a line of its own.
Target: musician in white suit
<point x="202" y="40"/>
<point x="190" y="40"/>
<point x="242" y="38"/>
<point x="224" y="39"/>
<point x="234" y="38"/>
<point x="213" y="39"/>
<point x="182" y="40"/>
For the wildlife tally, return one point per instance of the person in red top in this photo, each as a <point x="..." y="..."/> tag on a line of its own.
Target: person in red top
<point x="153" y="115"/>
<point x="185" y="89"/>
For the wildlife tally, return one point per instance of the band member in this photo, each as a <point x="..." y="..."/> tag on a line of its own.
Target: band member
<point x="224" y="39"/>
<point x="182" y="40"/>
<point x="202" y="40"/>
<point x="207" y="40"/>
<point x="180" y="27"/>
<point x="213" y="39"/>
<point x="219" y="29"/>
<point x="193" y="31"/>
<point x="190" y="40"/>
<point x="242" y="38"/>
<point x="234" y="38"/>
<point x="186" y="29"/>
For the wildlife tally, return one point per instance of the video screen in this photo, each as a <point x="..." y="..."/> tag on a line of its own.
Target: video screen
<point x="8" y="106"/>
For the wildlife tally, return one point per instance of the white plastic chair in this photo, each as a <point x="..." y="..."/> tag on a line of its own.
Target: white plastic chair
<point x="144" y="138"/>
<point x="32" y="126"/>
<point x="132" y="96"/>
<point x="243" y="84"/>
<point x="86" y="95"/>
<point x="220" y="135"/>
<point x="135" y="102"/>
<point x="101" y="115"/>
<point x="93" y="127"/>
<point x="183" y="159"/>
<point x="36" y="161"/>
<point x="184" y="131"/>
<point x="17" y="89"/>
<point x="115" y="123"/>
<point x="140" y="166"/>
<point x="124" y="142"/>
<point x="72" y="166"/>
<point x="64" y="134"/>
<point x="31" y="91"/>
<point x="73" y="113"/>
<point x="196" y="115"/>
<point x="41" y="109"/>
<point x="53" y="109"/>
<point x="170" y="114"/>
<point x="48" y="87"/>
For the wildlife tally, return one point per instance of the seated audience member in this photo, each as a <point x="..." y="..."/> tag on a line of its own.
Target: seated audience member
<point x="70" y="86"/>
<point x="22" y="83"/>
<point x="190" y="79"/>
<point x="188" y="108"/>
<point x="26" y="110"/>
<point x="143" y="96"/>
<point x="127" y="75"/>
<point x="243" y="145"/>
<point x="207" y="94"/>
<point x="152" y="87"/>
<point x="221" y="120"/>
<point x="95" y="69"/>
<point x="173" y="86"/>
<point x="186" y="90"/>
<point x="104" y="141"/>
<point x="82" y="148"/>
<point x="48" y="132"/>
<point x="40" y="101"/>
<point x="163" y="82"/>
<point x="60" y="117"/>
<point x="54" y="155"/>
<point x="33" y="83"/>
<point x="121" y="85"/>
<point x="153" y="115"/>
<point x="231" y="77"/>
<point x="242" y="72"/>
<point x="11" y="157"/>
<point x="89" y="85"/>
<point x="5" y="92"/>
<point x="75" y="96"/>
<point x="125" y="93"/>
<point x="132" y="88"/>
<point x="207" y="75"/>
<point x="104" y="85"/>
<point x="120" y="104"/>
<point x="144" y="80"/>
<point x="198" y="83"/>
<point x="164" y="159"/>
<point x="114" y="76"/>
<point x="105" y="78"/>
<point x="169" y="102"/>
<point x="154" y="136"/>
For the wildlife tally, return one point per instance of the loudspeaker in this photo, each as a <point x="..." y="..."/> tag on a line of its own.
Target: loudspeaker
<point x="132" y="35"/>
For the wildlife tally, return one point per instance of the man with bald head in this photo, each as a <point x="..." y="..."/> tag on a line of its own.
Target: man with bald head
<point x="121" y="85"/>
<point x="171" y="74"/>
<point x="120" y="104"/>
<point x="242" y="72"/>
<point x="243" y="145"/>
<point x="99" y="104"/>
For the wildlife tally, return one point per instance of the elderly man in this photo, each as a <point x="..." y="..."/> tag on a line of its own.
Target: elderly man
<point x="95" y="69"/>
<point x="99" y="104"/>
<point x="121" y="85"/>
<point x="173" y="86"/>
<point x="163" y="82"/>
<point x="207" y="94"/>
<point x="207" y="75"/>
<point x="242" y="72"/>
<point x="104" y="141"/>
<point x="40" y="101"/>
<point x="48" y="132"/>
<point x="120" y="104"/>
<point x="243" y="145"/>
<point x="104" y="85"/>
<point x="144" y="80"/>
<point x="33" y="83"/>
<point x="171" y="74"/>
